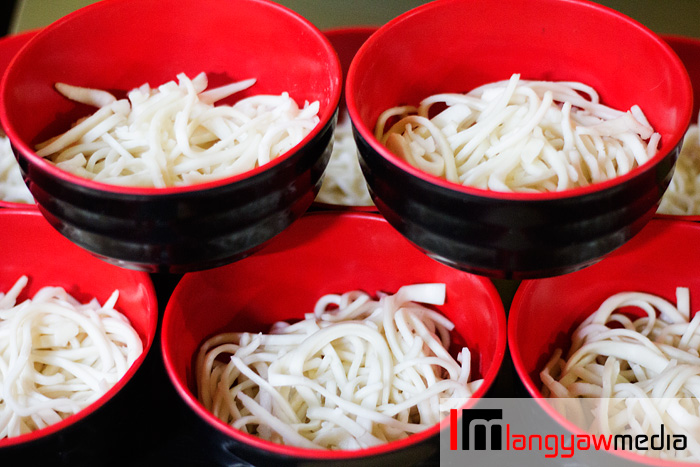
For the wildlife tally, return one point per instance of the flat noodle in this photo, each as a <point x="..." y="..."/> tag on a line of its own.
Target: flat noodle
<point x="343" y="182"/>
<point x="174" y="135"/>
<point x="12" y="186"/>
<point x="57" y="356"/>
<point x="682" y="198"/>
<point x="356" y="372"/>
<point x="645" y="370"/>
<point x="520" y="135"/>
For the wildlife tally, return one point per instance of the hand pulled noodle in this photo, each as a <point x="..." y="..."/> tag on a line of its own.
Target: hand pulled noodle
<point x="343" y="182"/>
<point x="174" y="135"/>
<point x="12" y="186"/>
<point x="682" y="198"/>
<point x="57" y="356"/>
<point x="357" y="372"/>
<point x="642" y="370"/>
<point x="520" y="135"/>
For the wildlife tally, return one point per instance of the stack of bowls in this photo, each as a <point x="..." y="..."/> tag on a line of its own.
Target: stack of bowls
<point x="246" y="245"/>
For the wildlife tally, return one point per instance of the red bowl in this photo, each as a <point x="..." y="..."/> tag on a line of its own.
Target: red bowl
<point x="181" y="228"/>
<point x="545" y="312"/>
<point x="32" y="247"/>
<point x="346" y="41"/>
<point x="8" y="48"/>
<point x="688" y="50"/>
<point x="456" y="45"/>
<point x="324" y="252"/>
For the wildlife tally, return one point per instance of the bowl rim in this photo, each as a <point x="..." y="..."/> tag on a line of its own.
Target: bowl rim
<point x="40" y="163"/>
<point x="376" y="149"/>
<point x="147" y="340"/>
<point x="254" y="442"/>
<point x="514" y="345"/>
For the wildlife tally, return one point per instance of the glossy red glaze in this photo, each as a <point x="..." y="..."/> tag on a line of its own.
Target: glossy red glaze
<point x="322" y="253"/>
<point x="33" y="248"/>
<point x="9" y="46"/>
<point x="456" y="45"/>
<point x="180" y="228"/>
<point x="544" y="312"/>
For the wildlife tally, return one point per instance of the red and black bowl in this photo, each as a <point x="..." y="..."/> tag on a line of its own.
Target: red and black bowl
<point x="33" y="248"/>
<point x="457" y="45"/>
<point x="545" y="312"/>
<point x="118" y="45"/>
<point x="321" y="253"/>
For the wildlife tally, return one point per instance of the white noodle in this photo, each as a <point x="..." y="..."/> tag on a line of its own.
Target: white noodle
<point x="12" y="186"/>
<point x="343" y="182"/>
<point x="641" y="374"/>
<point x="520" y="135"/>
<point x="682" y="198"/>
<point x="173" y="135"/>
<point x="355" y="373"/>
<point x="57" y="356"/>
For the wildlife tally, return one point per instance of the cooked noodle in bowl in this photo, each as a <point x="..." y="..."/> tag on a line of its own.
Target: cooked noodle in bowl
<point x="12" y="186"/>
<point x="618" y="359"/>
<point x="345" y="365"/>
<point x="181" y="151"/>
<point x="520" y="135"/>
<point x="58" y="355"/>
<point x="343" y="182"/>
<point x="536" y="153"/>
<point x="174" y="135"/>
<point x="75" y="333"/>
<point x="354" y="373"/>
<point x="637" y="359"/>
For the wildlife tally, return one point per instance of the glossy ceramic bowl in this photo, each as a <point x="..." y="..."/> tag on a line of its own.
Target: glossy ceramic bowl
<point x="182" y="228"/>
<point x="545" y="312"/>
<point x="457" y="45"/>
<point x="323" y="252"/>
<point x="33" y="248"/>
<point x="9" y="46"/>
<point x="688" y="50"/>
<point x="346" y="41"/>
